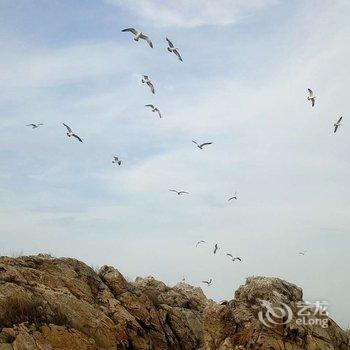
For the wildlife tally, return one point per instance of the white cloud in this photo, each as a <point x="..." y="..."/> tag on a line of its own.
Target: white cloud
<point x="191" y="13"/>
<point x="38" y="67"/>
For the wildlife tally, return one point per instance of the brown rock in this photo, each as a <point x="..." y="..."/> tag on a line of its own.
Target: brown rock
<point x="53" y="304"/>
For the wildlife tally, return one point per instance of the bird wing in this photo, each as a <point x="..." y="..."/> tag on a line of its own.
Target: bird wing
<point x="228" y="254"/>
<point x="77" y="137"/>
<point x="151" y="86"/>
<point x="183" y="192"/>
<point x="205" y="144"/>
<point x="311" y="93"/>
<point x="160" y="114"/>
<point x="199" y="242"/>
<point x="149" y="106"/>
<point x="173" y="191"/>
<point x="177" y="53"/>
<point x="132" y="30"/>
<point x="335" y="128"/>
<point x="195" y="143"/>
<point x="145" y="37"/>
<point x="30" y="125"/>
<point x="169" y="42"/>
<point x="205" y="282"/>
<point x="313" y="102"/>
<point x="339" y="119"/>
<point x="68" y="128"/>
<point x="116" y="158"/>
<point x="230" y="199"/>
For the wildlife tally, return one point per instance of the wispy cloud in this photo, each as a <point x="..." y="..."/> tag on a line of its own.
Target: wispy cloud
<point x="191" y="13"/>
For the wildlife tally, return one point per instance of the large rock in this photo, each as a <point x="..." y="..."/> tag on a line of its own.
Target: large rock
<point x="53" y="304"/>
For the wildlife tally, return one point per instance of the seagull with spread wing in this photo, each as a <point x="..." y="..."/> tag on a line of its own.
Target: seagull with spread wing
<point x="216" y="248"/>
<point x="70" y="133"/>
<point x="337" y="124"/>
<point x="146" y="80"/>
<point x="200" y="146"/>
<point x="179" y="192"/>
<point x="233" y="197"/>
<point x="233" y="258"/>
<point x="139" y="35"/>
<point x="207" y="282"/>
<point x="199" y="242"/>
<point x="116" y="160"/>
<point x="154" y="109"/>
<point x="311" y="97"/>
<point x="172" y="48"/>
<point x="34" y="126"/>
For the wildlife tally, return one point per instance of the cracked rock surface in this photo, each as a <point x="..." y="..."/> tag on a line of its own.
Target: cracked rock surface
<point x="51" y="303"/>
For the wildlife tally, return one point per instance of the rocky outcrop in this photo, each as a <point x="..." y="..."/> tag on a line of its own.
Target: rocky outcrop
<point x="48" y="304"/>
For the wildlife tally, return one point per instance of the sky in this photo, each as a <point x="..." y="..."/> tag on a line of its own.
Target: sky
<point x="242" y="85"/>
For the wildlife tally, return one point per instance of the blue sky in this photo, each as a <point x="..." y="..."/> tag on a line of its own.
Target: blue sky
<point x="242" y="85"/>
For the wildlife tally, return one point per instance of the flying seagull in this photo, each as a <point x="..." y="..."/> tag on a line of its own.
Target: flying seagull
<point x="146" y="80"/>
<point x="116" y="160"/>
<point x="179" y="192"/>
<point x="138" y="35"/>
<point x="302" y="253"/>
<point x="232" y="258"/>
<point x="337" y="124"/>
<point x="70" y="133"/>
<point x="155" y="109"/>
<point x="200" y="146"/>
<point x="311" y="97"/>
<point x="199" y="242"/>
<point x="216" y="248"/>
<point x="34" y="126"/>
<point x="172" y="48"/>
<point x="234" y="197"/>
<point x="207" y="282"/>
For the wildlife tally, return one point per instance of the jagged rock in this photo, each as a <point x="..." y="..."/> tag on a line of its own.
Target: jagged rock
<point x="53" y="304"/>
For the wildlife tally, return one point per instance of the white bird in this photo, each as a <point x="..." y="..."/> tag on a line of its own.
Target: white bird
<point x="200" y="146"/>
<point x="34" y="126"/>
<point x="207" y="282"/>
<point x="199" y="242"/>
<point x="311" y="97"/>
<point x="232" y="258"/>
<point x="138" y="35"/>
<point x="146" y="80"/>
<point x="179" y="192"/>
<point x="172" y="48"/>
<point x="234" y="197"/>
<point x="116" y="160"/>
<point x="70" y="133"/>
<point x="216" y="248"/>
<point x="154" y="109"/>
<point x="337" y="124"/>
